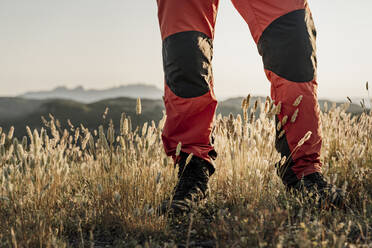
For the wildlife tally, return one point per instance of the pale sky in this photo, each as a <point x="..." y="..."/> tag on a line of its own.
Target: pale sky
<point x="100" y="44"/>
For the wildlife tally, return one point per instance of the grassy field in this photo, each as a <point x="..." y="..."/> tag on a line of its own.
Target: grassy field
<point x="75" y="188"/>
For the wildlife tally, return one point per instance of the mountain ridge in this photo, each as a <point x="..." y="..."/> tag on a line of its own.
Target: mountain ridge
<point x="93" y="95"/>
<point x="20" y="112"/>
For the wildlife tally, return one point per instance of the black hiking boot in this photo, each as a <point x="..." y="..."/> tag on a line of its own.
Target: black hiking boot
<point x="192" y="185"/>
<point x="316" y="187"/>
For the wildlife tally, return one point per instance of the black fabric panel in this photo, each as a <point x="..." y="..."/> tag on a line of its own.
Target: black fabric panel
<point x="284" y="171"/>
<point x="187" y="58"/>
<point x="287" y="47"/>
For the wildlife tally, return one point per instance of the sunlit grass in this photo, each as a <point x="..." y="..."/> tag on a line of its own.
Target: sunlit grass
<point x="62" y="188"/>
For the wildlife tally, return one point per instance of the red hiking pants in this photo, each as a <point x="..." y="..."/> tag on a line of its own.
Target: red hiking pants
<point x="285" y="35"/>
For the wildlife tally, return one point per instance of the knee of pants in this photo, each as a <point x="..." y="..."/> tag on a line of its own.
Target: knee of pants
<point x="287" y="47"/>
<point x="187" y="62"/>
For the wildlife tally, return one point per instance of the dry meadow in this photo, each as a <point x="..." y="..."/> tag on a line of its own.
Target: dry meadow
<point x="100" y="188"/>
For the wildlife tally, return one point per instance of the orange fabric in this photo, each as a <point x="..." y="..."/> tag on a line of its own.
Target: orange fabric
<point x="189" y="121"/>
<point x="306" y="158"/>
<point x="258" y="14"/>
<point x="187" y="15"/>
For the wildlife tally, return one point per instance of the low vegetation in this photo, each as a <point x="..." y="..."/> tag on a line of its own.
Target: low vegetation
<point x="76" y="188"/>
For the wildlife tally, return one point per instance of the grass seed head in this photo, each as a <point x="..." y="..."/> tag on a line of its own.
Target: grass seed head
<point x="283" y="160"/>
<point x="85" y="141"/>
<point x="281" y="134"/>
<point x="279" y="126"/>
<point x="125" y="127"/>
<point x="278" y="108"/>
<point x="251" y="119"/>
<point x="188" y="159"/>
<point x="70" y="124"/>
<point x="245" y="116"/>
<point x="298" y="101"/>
<point x="105" y="113"/>
<point x="138" y="106"/>
<point x="294" y="116"/>
<point x="86" y="181"/>
<point x="248" y="100"/>
<point x="144" y="129"/>
<point x="178" y="149"/>
<point x="267" y="104"/>
<point x="255" y="106"/>
<point x="362" y="104"/>
<point x="122" y="118"/>
<point x="77" y="134"/>
<point x="11" y="132"/>
<point x="305" y="138"/>
<point x="244" y="103"/>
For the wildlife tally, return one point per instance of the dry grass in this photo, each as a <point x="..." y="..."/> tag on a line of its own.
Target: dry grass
<point x="81" y="189"/>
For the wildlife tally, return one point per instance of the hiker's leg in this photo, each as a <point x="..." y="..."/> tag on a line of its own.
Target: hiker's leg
<point x="285" y="36"/>
<point x="187" y="29"/>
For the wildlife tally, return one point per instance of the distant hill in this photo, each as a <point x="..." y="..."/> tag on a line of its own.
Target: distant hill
<point x="19" y="112"/>
<point x="80" y="94"/>
<point x="90" y="115"/>
<point x="233" y="105"/>
<point x="12" y="108"/>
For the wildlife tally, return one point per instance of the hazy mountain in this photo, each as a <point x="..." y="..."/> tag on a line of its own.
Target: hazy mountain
<point x="20" y="112"/>
<point x="89" y="96"/>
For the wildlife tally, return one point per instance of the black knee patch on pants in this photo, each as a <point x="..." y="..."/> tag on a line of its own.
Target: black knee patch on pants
<point x="287" y="47"/>
<point x="187" y="58"/>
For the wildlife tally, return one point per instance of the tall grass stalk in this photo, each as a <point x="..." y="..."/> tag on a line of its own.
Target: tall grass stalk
<point x="62" y="188"/>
